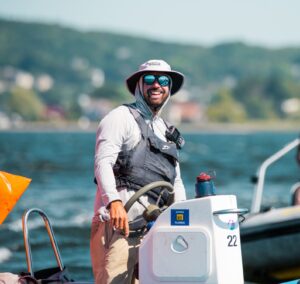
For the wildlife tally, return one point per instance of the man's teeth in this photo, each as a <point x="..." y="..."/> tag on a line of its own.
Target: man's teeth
<point x="156" y="92"/>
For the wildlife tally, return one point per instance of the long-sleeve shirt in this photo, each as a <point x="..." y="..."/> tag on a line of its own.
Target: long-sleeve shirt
<point x="118" y="131"/>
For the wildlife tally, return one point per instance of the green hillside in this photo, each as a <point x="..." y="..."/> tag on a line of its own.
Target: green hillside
<point x="233" y="81"/>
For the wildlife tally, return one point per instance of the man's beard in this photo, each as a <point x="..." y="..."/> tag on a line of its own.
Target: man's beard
<point x="154" y="106"/>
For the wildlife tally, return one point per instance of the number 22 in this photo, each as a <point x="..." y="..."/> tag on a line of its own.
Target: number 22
<point x="232" y="240"/>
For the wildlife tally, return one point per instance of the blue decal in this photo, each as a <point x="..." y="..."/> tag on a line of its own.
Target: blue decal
<point x="180" y="217"/>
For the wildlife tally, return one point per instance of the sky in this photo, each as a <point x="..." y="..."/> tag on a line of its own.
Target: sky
<point x="269" y="23"/>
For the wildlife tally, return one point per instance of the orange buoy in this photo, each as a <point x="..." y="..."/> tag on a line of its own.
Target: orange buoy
<point x="11" y="189"/>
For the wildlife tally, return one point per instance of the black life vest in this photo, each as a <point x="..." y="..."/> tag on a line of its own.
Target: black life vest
<point x="152" y="159"/>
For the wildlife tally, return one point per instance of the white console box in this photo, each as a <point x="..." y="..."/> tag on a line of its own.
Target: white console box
<point x="190" y="244"/>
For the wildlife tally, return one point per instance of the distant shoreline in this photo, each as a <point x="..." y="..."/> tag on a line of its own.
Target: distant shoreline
<point x="274" y="126"/>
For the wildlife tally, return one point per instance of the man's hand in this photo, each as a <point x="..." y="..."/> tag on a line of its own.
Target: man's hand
<point x="118" y="217"/>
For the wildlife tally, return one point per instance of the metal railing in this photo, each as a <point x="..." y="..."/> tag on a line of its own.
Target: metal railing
<point x="27" y="239"/>
<point x="258" y="190"/>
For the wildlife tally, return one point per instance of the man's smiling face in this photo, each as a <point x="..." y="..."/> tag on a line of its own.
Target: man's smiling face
<point x="155" y="94"/>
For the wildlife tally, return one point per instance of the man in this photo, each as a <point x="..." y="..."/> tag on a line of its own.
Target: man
<point x="126" y="158"/>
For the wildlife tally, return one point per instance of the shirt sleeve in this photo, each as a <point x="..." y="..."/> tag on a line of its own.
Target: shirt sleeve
<point x="110" y="137"/>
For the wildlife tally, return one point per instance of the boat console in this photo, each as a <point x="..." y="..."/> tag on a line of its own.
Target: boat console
<point x="194" y="241"/>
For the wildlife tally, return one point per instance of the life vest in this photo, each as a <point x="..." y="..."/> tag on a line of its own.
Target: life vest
<point x="152" y="159"/>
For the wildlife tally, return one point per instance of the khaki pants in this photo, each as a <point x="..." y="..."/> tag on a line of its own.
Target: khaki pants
<point x="114" y="257"/>
<point x="9" y="278"/>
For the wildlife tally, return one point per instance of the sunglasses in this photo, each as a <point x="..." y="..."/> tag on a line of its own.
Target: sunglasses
<point x="162" y="80"/>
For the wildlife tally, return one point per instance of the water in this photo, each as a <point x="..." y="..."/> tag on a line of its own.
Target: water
<point x="61" y="168"/>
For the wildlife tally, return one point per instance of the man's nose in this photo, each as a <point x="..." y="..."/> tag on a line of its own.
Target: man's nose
<point x="156" y="84"/>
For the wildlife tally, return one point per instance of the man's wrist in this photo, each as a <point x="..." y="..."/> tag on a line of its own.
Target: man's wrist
<point x="114" y="201"/>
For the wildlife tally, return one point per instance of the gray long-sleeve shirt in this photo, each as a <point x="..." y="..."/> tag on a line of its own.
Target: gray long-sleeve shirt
<point x="118" y="131"/>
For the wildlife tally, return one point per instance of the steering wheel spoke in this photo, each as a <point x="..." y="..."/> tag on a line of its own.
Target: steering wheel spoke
<point x="139" y="219"/>
<point x="140" y="202"/>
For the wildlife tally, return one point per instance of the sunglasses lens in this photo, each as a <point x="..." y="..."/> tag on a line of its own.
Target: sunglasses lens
<point x="149" y="79"/>
<point x="163" y="81"/>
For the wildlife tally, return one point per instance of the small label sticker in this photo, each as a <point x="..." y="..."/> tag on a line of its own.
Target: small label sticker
<point x="231" y="224"/>
<point x="180" y="217"/>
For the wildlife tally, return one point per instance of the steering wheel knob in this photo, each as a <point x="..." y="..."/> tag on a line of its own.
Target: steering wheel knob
<point x="151" y="213"/>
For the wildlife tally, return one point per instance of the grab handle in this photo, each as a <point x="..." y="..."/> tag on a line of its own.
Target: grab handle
<point x="27" y="239"/>
<point x="239" y="211"/>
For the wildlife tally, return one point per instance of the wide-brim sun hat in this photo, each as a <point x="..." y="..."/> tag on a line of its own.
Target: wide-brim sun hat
<point x="155" y="65"/>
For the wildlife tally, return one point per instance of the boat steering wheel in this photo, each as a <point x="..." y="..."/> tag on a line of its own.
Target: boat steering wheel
<point x="153" y="210"/>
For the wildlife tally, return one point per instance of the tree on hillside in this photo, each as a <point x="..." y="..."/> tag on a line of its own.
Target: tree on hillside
<point x="263" y="97"/>
<point x="111" y="92"/>
<point x="280" y="89"/>
<point x="251" y="92"/>
<point x="224" y="108"/>
<point x="26" y="103"/>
